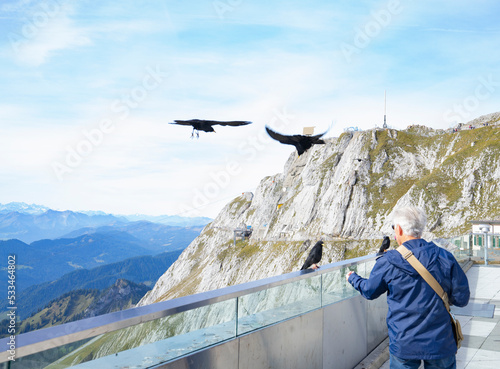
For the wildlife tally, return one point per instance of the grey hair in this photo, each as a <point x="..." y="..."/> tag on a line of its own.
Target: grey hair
<point x="411" y="219"/>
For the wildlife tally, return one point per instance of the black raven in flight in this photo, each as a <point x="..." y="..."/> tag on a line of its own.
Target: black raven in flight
<point x="314" y="256"/>
<point x="206" y="125"/>
<point x="302" y="143"/>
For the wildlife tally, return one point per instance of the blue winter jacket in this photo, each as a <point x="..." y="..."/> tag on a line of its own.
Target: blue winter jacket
<point x="419" y="325"/>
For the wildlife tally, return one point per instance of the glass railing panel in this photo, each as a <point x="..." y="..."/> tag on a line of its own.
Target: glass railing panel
<point x="461" y="251"/>
<point x="262" y="308"/>
<point x="472" y="245"/>
<point x="368" y="268"/>
<point x="335" y="286"/>
<point x="460" y="248"/>
<point x="45" y="358"/>
<point x="479" y="243"/>
<point x="149" y="343"/>
<point x="462" y="255"/>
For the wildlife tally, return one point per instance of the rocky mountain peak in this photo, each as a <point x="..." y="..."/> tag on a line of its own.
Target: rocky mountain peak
<point x="344" y="192"/>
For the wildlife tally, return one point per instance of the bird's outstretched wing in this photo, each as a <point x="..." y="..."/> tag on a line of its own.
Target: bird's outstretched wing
<point x="183" y="122"/>
<point x="287" y="140"/>
<point x="301" y="142"/>
<point x="316" y="138"/>
<point x="233" y="123"/>
<point x="191" y="122"/>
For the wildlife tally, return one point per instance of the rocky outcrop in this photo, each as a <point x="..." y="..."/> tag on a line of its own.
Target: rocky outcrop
<point x="121" y="295"/>
<point x="85" y="303"/>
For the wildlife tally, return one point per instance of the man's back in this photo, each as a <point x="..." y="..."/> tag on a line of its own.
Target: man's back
<point x="419" y="325"/>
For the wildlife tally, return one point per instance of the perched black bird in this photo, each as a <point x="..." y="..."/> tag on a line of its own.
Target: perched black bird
<point x="386" y="243"/>
<point x="206" y="125"/>
<point x="302" y="143"/>
<point x="314" y="256"/>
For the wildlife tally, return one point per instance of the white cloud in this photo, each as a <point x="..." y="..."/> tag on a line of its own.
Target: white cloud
<point x="16" y="6"/>
<point x="45" y="31"/>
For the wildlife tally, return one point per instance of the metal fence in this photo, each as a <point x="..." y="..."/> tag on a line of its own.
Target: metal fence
<point x="477" y="246"/>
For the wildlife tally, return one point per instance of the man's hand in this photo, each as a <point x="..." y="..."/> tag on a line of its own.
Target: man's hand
<point x="348" y="275"/>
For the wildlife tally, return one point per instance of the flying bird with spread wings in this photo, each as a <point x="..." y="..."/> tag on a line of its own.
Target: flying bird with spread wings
<point x="301" y="142"/>
<point x="207" y="125"/>
<point x="314" y="256"/>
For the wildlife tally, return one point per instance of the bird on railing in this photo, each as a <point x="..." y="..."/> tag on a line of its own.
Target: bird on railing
<point x="314" y="256"/>
<point x="207" y="125"/>
<point x="386" y="243"/>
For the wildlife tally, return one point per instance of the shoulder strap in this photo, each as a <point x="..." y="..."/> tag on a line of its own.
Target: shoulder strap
<point x="415" y="263"/>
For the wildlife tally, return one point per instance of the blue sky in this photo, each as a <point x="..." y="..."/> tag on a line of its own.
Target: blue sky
<point x="88" y="90"/>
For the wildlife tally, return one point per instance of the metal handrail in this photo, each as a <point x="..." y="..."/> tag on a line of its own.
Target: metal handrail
<point x="52" y="337"/>
<point x="482" y="234"/>
<point x="473" y="234"/>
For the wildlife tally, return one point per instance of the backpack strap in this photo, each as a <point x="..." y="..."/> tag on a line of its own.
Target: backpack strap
<point x="415" y="263"/>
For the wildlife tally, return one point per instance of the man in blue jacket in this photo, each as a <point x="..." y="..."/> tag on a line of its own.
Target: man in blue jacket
<point x="419" y="325"/>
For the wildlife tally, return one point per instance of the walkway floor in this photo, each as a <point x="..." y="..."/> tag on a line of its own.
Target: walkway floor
<point x="481" y="346"/>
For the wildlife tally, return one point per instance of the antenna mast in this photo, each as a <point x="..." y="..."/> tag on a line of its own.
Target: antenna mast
<point x="385" y="123"/>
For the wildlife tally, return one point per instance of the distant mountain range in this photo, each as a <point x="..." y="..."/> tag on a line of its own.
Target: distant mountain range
<point x="22" y="207"/>
<point x="143" y="270"/>
<point x="156" y="237"/>
<point x="173" y="220"/>
<point x="47" y="260"/>
<point x="81" y="304"/>
<point x="33" y="222"/>
<point x="51" y="224"/>
<point x="57" y="252"/>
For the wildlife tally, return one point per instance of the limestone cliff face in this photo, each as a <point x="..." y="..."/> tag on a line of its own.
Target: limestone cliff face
<point x="344" y="192"/>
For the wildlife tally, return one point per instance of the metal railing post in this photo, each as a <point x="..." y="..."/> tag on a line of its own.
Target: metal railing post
<point x="485" y="228"/>
<point x="237" y="316"/>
